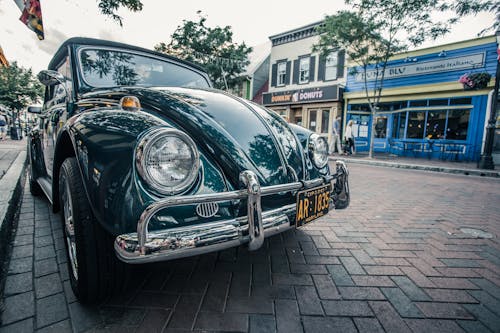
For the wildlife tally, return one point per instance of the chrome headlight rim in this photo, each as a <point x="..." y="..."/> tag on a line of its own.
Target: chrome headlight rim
<point x="312" y="147"/>
<point x="143" y="148"/>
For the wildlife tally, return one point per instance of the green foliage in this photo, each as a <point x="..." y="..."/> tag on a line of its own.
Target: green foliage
<point x="211" y="48"/>
<point x="109" y="8"/>
<point x="375" y="30"/>
<point x="473" y="7"/>
<point x="18" y="87"/>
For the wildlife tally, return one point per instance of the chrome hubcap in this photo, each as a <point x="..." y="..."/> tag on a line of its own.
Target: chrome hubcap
<point x="69" y="228"/>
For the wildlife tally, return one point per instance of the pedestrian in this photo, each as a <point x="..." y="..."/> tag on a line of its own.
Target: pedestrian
<point x="3" y="126"/>
<point x="350" y="139"/>
<point x="335" y="140"/>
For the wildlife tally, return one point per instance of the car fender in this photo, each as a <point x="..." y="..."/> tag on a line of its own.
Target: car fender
<point x="103" y="142"/>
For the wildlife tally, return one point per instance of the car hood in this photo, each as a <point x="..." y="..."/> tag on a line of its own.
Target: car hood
<point x="237" y="134"/>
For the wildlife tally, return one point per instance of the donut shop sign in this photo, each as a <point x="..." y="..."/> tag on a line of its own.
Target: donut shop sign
<point x="301" y="96"/>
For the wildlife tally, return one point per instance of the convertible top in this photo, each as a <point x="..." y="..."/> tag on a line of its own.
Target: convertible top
<point x="100" y="42"/>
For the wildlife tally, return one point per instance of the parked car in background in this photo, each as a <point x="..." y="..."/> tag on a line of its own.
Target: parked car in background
<point x="147" y="162"/>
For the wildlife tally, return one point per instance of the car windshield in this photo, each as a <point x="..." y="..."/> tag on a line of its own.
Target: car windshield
<point x="111" y="68"/>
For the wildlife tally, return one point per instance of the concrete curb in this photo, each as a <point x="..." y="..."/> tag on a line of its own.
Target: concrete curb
<point x="482" y="173"/>
<point x="11" y="190"/>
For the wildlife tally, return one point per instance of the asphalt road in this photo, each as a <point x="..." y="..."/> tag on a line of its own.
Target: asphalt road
<point x="397" y="260"/>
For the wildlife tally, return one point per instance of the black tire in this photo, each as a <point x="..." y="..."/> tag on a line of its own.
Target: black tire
<point x="35" y="188"/>
<point x="96" y="273"/>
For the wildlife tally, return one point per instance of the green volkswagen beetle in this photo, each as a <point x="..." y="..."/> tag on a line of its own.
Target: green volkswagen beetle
<point x="147" y="162"/>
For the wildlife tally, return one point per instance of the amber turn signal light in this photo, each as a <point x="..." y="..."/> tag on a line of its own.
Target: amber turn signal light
<point x="130" y="103"/>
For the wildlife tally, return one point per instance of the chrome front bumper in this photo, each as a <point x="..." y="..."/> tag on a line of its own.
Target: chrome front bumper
<point x="144" y="246"/>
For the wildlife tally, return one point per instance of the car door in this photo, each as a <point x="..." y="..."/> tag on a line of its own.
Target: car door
<point x="55" y="115"/>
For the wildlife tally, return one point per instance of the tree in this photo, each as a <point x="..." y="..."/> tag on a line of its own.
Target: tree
<point x="211" y="48"/>
<point x="109" y="8"/>
<point x="473" y="7"/>
<point x="372" y="33"/>
<point x="18" y="87"/>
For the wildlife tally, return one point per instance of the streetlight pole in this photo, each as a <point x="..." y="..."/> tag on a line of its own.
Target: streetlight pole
<point x="486" y="161"/>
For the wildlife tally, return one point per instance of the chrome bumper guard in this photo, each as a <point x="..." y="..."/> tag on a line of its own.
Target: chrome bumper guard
<point x="144" y="246"/>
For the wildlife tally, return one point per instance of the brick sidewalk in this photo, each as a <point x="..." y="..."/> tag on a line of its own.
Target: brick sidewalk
<point x="394" y="261"/>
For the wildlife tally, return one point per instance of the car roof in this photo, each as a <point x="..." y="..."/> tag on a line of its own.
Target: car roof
<point x="101" y="42"/>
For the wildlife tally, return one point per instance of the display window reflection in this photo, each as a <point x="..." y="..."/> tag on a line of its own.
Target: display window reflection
<point x="416" y="125"/>
<point x="458" y="124"/>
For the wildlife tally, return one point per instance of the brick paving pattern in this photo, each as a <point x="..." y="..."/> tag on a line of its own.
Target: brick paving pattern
<point x="394" y="261"/>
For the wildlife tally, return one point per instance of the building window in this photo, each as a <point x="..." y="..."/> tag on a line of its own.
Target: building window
<point x="458" y="124"/>
<point x="380" y="127"/>
<point x="416" y="124"/>
<point x="331" y="66"/>
<point x="304" y="70"/>
<point x="281" y="73"/>
<point x="398" y="125"/>
<point x="436" y="122"/>
<point x="325" y="121"/>
<point x="312" y="120"/>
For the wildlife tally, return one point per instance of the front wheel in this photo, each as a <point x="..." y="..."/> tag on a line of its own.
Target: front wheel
<point x="93" y="268"/>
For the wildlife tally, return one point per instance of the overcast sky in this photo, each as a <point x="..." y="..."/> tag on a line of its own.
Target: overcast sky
<point x="252" y="22"/>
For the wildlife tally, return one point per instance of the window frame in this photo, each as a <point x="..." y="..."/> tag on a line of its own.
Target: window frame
<point x="327" y="66"/>
<point x="306" y="61"/>
<point x="278" y="74"/>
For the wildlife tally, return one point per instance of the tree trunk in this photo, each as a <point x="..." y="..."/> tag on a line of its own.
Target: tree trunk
<point x="372" y="131"/>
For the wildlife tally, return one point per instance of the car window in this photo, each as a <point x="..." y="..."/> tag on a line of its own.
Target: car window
<point x="110" y="68"/>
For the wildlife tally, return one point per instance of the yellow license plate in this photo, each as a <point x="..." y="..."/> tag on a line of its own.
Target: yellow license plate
<point x="311" y="204"/>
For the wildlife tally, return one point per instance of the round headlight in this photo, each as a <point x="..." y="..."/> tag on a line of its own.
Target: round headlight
<point x="318" y="150"/>
<point x="167" y="160"/>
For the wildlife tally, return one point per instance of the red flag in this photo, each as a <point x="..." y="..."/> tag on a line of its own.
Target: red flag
<point x="32" y="15"/>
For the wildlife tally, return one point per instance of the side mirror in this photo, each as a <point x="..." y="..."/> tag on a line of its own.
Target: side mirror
<point x="35" y="109"/>
<point x="50" y="78"/>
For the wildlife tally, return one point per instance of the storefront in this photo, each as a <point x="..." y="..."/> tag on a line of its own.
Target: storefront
<point x="313" y="108"/>
<point x="424" y="110"/>
<point x="304" y="87"/>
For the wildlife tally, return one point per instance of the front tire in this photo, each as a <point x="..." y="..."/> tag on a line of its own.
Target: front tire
<point x="35" y="188"/>
<point x="93" y="268"/>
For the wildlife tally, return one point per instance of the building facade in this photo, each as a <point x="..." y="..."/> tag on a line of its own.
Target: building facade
<point x="304" y="88"/>
<point x="428" y="108"/>
<point x="255" y="78"/>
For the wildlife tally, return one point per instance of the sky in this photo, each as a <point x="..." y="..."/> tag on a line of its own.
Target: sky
<point x="252" y="22"/>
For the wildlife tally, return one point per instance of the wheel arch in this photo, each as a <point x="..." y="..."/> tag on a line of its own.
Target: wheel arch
<point x="64" y="149"/>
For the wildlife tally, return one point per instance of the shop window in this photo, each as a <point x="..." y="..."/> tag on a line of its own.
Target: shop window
<point x="312" y="120"/>
<point x="398" y="125"/>
<point x="416" y="125"/>
<point x="360" y="125"/>
<point x="436" y="122"/>
<point x="281" y="73"/>
<point x="422" y="102"/>
<point x="360" y="107"/>
<point x="458" y="124"/>
<point x="304" y="70"/>
<point x="331" y="66"/>
<point x="461" y="101"/>
<point x="380" y="127"/>
<point x="438" y="102"/>
<point x="325" y="121"/>
<point x="297" y="116"/>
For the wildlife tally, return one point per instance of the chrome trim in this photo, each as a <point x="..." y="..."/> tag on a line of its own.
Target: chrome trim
<point x="254" y="210"/>
<point x="144" y="246"/>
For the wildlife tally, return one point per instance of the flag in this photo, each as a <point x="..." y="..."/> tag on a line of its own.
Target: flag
<point x="31" y="15"/>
